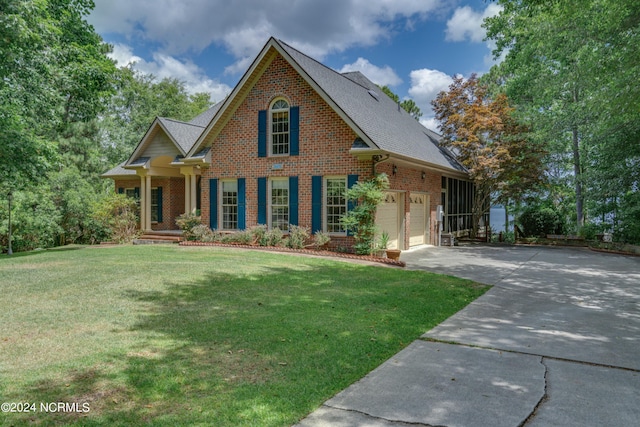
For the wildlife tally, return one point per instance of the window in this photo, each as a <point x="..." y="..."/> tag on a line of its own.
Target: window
<point x="335" y="204"/>
<point x="155" y="205"/>
<point x="279" y="204"/>
<point x="280" y="128"/>
<point x="229" y="205"/>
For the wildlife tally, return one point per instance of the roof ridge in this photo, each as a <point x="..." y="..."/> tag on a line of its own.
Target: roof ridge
<point x="325" y="66"/>
<point x="180" y="122"/>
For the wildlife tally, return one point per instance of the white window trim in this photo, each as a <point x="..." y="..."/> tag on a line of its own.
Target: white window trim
<point x="221" y="204"/>
<point x="270" y="127"/>
<point x="325" y="217"/>
<point x="270" y="204"/>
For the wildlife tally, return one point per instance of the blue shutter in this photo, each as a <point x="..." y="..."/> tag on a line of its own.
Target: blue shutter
<point x="213" y="204"/>
<point x="293" y="200"/>
<point x="351" y="180"/>
<point x="262" y="200"/>
<point x="120" y="190"/>
<point x="159" y="190"/>
<point x="316" y="204"/>
<point x="242" y="212"/>
<point x="294" y="131"/>
<point x="262" y="133"/>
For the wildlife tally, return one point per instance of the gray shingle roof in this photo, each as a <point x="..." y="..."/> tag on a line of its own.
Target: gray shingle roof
<point x="184" y="134"/>
<point x="379" y="118"/>
<point x="204" y="118"/>
<point x="119" y="171"/>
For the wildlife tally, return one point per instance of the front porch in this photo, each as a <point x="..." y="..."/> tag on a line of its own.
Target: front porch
<point x="164" y="189"/>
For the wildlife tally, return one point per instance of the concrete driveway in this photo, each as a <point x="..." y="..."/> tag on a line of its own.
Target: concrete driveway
<point x="555" y="342"/>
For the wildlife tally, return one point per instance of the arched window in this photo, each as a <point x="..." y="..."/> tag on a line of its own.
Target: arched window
<point x="279" y="116"/>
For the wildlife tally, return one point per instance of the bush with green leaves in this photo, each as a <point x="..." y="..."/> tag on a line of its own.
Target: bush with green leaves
<point x="321" y="239"/>
<point x="539" y="221"/>
<point x="117" y="214"/>
<point x="187" y="222"/>
<point x="365" y="196"/>
<point x="298" y="237"/>
<point x="34" y="222"/>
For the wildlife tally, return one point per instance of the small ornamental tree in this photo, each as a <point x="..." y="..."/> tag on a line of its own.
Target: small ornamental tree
<point x="489" y="141"/>
<point x="365" y="196"/>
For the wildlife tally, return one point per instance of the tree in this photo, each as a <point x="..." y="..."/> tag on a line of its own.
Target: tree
<point x="489" y="142"/>
<point x="138" y="100"/>
<point x="53" y="71"/>
<point x="408" y="105"/>
<point x="571" y="69"/>
<point x="361" y="219"/>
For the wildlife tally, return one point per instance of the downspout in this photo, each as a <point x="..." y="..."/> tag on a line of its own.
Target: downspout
<point x="377" y="159"/>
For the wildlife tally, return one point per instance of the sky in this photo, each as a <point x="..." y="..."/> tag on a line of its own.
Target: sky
<point x="412" y="46"/>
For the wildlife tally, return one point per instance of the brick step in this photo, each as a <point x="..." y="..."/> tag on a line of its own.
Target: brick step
<point x="158" y="237"/>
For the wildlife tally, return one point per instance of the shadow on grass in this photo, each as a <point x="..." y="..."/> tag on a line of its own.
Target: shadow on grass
<point x="267" y="349"/>
<point x="5" y="256"/>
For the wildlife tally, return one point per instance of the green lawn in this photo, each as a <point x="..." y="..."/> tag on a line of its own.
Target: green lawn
<point x="166" y="335"/>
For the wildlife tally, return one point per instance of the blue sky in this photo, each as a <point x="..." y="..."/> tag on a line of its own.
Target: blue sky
<point x="413" y="46"/>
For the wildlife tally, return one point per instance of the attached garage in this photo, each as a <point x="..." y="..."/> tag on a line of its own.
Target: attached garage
<point x="388" y="218"/>
<point x="418" y="218"/>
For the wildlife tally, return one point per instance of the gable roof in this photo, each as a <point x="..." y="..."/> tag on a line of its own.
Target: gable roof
<point x="377" y="120"/>
<point x="183" y="134"/>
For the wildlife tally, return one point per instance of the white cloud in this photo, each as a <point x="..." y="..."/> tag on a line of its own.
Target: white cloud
<point x="383" y="76"/>
<point x="316" y="27"/>
<point x="430" y="123"/>
<point x="426" y="84"/>
<point x="466" y="23"/>
<point x="165" y="66"/>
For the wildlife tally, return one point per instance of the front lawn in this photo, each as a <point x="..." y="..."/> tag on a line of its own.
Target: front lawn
<point x="166" y="335"/>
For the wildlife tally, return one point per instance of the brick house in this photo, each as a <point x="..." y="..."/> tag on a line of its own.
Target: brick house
<point x="283" y="148"/>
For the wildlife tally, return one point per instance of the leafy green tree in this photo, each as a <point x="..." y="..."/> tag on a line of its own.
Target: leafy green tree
<point x="139" y="99"/>
<point x="571" y="69"/>
<point x="53" y="71"/>
<point x="361" y="219"/>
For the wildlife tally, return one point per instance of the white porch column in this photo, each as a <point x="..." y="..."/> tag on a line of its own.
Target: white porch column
<point x="190" y="187"/>
<point x="147" y="207"/>
<point x="143" y="202"/>
<point x="194" y="197"/>
<point x="187" y="193"/>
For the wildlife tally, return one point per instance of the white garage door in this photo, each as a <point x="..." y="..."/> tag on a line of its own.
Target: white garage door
<point x="387" y="218"/>
<point x="419" y="206"/>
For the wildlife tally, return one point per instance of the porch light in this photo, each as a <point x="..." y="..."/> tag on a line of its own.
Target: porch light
<point x="395" y="169"/>
<point x="424" y="175"/>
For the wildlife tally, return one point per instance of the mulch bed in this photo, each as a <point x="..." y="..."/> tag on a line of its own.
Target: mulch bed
<point x="312" y="252"/>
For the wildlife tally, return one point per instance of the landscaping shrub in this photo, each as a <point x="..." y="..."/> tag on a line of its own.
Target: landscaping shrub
<point x="187" y="222"/>
<point x="540" y="221"/>
<point x="298" y="237"/>
<point x="320" y="239"/>
<point x="202" y="233"/>
<point x="116" y="213"/>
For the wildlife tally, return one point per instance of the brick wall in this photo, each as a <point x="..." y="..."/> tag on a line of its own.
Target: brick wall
<point x="325" y="141"/>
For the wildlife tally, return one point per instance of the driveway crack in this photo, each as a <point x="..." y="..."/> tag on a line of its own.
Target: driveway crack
<point x="386" y="420"/>
<point x="543" y="399"/>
